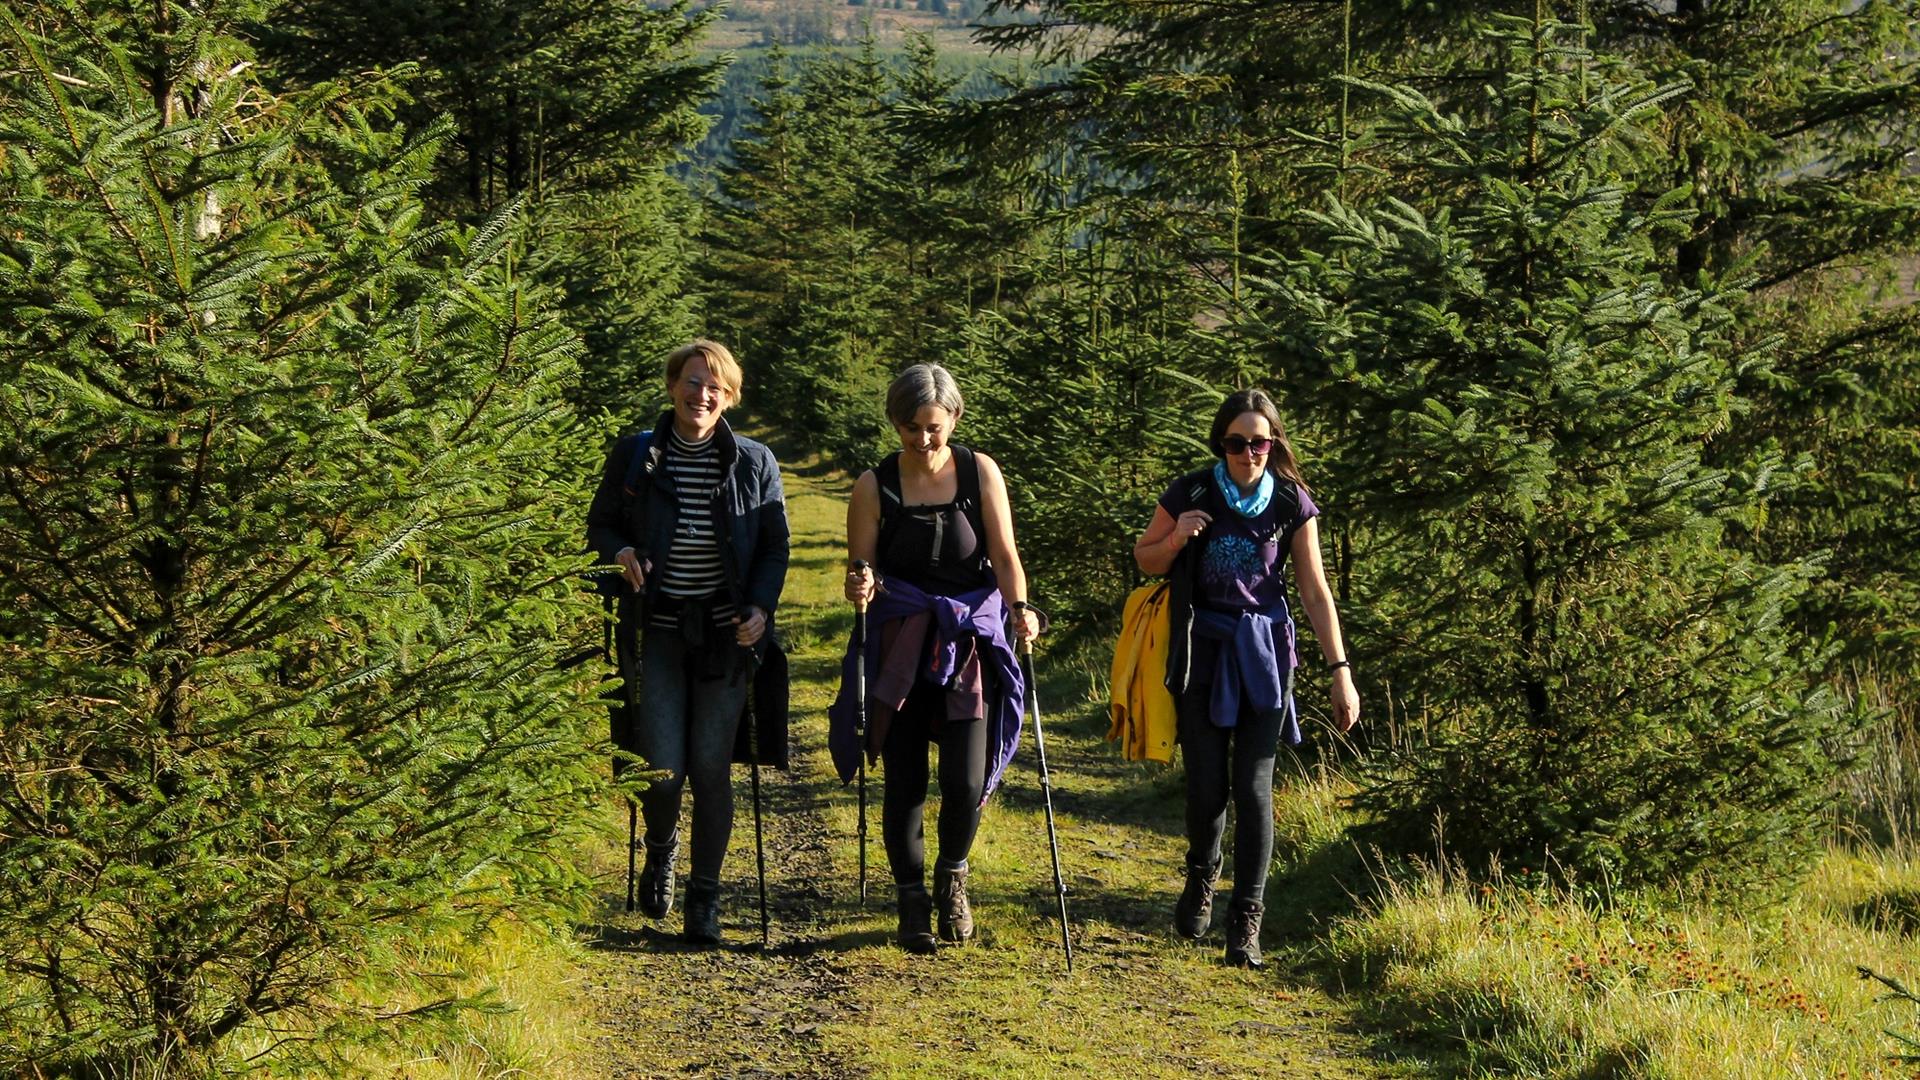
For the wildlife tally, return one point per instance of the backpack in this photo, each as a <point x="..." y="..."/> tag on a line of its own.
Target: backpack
<point x="966" y="500"/>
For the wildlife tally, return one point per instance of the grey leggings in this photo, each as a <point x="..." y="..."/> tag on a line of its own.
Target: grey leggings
<point x="1230" y="764"/>
<point x="685" y="727"/>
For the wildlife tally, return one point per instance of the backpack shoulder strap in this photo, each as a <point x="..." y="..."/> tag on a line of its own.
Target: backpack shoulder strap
<point x="1287" y="511"/>
<point x="966" y="497"/>
<point x="887" y="473"/>
<point x="1197" y="489"/>
<point x="641" y="462"/>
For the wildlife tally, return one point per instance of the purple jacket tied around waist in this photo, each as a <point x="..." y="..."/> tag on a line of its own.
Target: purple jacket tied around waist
<point x="978" y="613"/>
<point x="1255" y="662"/>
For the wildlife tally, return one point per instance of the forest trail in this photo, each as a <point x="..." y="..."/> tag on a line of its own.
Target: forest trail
<point x="833" y="997"/>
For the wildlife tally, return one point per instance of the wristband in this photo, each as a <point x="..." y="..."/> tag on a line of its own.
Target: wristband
<point x="1338" y="664"/>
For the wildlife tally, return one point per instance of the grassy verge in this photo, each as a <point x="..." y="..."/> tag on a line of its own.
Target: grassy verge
<point x="1518" y="978"/>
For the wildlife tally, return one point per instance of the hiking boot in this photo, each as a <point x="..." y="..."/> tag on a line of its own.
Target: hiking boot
<point x="950" y="895"/>
<point x="1193" y="915"/>
<point x="703" y="912"/>
<point x="1243" y="934"/>
<point x="916" y="920"/>
<point x="656" y="878"/>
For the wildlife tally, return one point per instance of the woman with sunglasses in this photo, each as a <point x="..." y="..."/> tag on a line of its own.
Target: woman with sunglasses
<point x="1222" y="534"/>
<point x="934" y="521"/>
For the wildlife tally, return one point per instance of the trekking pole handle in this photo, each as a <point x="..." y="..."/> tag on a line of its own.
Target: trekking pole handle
<point x="859" y="565"/>
<point x="1020" y="607"/>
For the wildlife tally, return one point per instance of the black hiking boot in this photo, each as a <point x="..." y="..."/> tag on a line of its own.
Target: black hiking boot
<point x="950" y="896"/>
<point x="1193" y="915"/>
<point x="1243" y="934"/>
<point x="656" y="878"/>
<point x="703" y="912"/>
<point x="916" y="920"/>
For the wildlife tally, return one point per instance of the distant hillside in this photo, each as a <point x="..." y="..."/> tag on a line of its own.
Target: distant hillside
<point x="751" y="23"/>
<point x="732" y="108"/>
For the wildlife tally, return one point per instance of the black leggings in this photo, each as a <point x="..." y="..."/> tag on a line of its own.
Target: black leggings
<point x="963" y="778"/>
<point x="1243" y="757"/>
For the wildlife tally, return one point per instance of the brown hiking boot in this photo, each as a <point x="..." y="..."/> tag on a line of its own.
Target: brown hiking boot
<point x="916" y="920"/>
<point x="950" y="897"/>
<point x="1243" y="934"/>
<point x="1193" y="915"/>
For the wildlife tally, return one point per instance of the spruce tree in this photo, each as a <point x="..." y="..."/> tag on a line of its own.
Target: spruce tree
<point x="796" y="244"/>
<point x="1537" y="427"/>
<point x="1792" y="156"/>
<point x="575" y="110"/>
<point x="287" y="507"/>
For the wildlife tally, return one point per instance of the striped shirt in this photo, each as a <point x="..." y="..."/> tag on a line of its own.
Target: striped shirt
<point x="693" y="568"/>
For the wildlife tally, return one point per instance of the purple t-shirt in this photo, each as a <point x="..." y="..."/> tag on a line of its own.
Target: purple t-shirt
<point x="1243" y="567"/>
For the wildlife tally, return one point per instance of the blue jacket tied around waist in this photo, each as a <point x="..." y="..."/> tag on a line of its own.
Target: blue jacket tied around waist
<point x="1255" y="662"/>
<point x="978" y="613"/>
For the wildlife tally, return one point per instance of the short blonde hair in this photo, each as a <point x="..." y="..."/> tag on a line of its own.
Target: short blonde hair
<point x="720" y="363"/>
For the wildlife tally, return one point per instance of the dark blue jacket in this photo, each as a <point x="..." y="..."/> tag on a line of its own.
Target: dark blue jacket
<point x="750" y="513"/>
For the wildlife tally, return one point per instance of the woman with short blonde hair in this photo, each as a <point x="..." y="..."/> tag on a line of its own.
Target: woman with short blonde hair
<point x="695" y="518"/>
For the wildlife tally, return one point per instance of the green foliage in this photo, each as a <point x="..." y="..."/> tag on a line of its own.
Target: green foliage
<point x="1790" y="161"/>
<point x="1086" y="393"/>
<point x="621" y="262"/>
<point x="286" y="522"/>
<point x="805" y="283"/>
<point x="575" y="109"/>
<point x="1534" y="426"/>
<point x="1797" y="155"/>
<point x="546" y="97"/>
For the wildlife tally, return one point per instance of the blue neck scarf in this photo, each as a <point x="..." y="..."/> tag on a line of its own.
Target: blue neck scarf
<point x="1244" y="505"/>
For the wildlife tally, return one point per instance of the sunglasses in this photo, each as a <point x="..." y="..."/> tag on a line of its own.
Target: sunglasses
<point x="1234" y="444"/>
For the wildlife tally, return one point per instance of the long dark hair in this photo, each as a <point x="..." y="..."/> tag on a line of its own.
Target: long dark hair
<point x="1282" y="460"/>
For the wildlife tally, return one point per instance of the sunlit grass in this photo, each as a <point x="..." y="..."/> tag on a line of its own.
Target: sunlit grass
<point x="1522" y="978"/>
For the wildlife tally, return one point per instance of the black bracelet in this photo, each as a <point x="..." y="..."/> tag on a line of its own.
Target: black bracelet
<point x="1338" y="664"/>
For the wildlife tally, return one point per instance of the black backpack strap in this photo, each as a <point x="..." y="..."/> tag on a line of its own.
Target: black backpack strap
<point x="1287" y="495"/>
<point x="967" y="501"/>
<point x="967" y="497"/>
<point x="1198" y="489"/>
<point x="887" y="473"/>
<point x="642" y="462"/>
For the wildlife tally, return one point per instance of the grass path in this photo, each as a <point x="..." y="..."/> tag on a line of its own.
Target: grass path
<point x="832" y="997"/>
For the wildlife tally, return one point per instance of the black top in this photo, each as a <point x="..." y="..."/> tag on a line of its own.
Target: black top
<point x="938" y="547"/>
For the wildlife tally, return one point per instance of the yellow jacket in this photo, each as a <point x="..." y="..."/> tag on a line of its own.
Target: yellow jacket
<point x="1140" y="708"/>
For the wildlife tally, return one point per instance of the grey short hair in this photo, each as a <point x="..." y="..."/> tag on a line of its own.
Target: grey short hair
<point x="920" y="386"/>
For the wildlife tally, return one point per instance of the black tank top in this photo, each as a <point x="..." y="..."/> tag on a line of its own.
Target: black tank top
<point x="938" y="547"/>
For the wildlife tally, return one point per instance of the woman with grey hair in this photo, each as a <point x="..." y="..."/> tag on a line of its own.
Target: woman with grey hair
<point x="932" y="561"/>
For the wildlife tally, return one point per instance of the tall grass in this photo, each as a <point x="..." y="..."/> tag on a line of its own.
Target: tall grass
<point x="1879" y="798"/>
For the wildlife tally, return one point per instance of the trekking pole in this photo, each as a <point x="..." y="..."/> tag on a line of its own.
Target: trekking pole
<point x="1046" y="793"/>
<point x="759" y="845"/>
<point x="860" y="721"/>
<point x="632" y="706"/>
